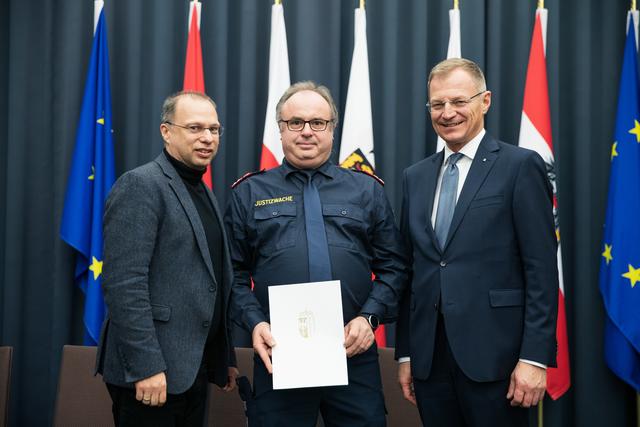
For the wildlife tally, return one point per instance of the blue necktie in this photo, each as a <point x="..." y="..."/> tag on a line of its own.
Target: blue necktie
<point x="318" y="249"/>
<point x="447" y="200"/>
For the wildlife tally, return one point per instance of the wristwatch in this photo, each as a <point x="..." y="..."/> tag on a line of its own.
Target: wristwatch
<point x="373" y="320"/>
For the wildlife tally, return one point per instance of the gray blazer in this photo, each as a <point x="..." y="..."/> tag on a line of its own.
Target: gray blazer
<point x="159" y="284"/>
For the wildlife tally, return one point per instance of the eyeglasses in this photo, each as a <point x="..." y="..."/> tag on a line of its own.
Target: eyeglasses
<point x="456" y="104"/>
<point x="199" y="130"/>
<point x="316" y="125"/>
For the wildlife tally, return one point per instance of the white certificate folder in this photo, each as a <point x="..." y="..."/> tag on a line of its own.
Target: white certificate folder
<point x="307" y="325"/>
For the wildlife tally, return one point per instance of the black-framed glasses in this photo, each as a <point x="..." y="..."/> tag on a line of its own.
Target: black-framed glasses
<point x="216" y="130"/>
<point x="457" y="104"/>
<point x="316" y="125"/>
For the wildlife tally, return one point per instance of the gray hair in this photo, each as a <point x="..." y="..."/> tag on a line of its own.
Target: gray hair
<point x="447" y="66"/>
<point x="169" y="104"/>
<point x="313" y="87"/>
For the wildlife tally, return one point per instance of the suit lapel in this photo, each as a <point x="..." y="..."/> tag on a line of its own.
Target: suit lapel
<point x="428" y="190"/>
<point x="175" y="182"/>
<point x="482" y="163"/>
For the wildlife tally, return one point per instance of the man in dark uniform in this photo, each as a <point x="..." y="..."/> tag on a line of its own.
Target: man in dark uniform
<point x="310" y="220"/>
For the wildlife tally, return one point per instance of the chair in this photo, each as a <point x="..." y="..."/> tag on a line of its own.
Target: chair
<point x="82" y="398"/>
<point x="6" y="354"/>
<point x="401" y="413"/>
<point x="227" y="409"/>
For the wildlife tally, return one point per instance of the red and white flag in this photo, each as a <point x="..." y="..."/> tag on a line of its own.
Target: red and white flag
<point x="535" y="134"/>
<point x="279" y="81"/>
<point x="356" y="146"/>
<point x="454" y="49"/>
<point x="193" y="70"/>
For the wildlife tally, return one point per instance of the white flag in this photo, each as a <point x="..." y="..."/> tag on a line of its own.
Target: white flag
<point x="454" y="49"/>
<point x="356" y="147"/>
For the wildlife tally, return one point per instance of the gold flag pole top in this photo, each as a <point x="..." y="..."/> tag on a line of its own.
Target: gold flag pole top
<point x="633" y="5"/>
<point x="540" y="4"/>
<point x="456" y="5"/>
<point x="277" y="1"/>
<point x="361" y="4"/>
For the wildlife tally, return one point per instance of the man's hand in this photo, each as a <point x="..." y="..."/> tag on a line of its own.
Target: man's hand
<point x="527" y="386"/>
<point x="262" y="343"/>
<point x="153" y="390"/>
<point x="406" y="382"/>
<point x="231" y="379"/>
<point x="358" y="336"/>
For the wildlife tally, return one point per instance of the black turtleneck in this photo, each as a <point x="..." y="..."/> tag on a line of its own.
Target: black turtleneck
<point x="192" y="179"/>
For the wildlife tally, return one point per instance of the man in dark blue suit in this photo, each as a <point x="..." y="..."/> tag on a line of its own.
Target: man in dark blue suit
<point x="477" y="325"/>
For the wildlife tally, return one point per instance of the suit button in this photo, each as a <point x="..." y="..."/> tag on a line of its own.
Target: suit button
<point x="212" y="288"/>
<point x="435" y="307"/>
<point x="443" y="264"/>
<point x="205" y="324"/>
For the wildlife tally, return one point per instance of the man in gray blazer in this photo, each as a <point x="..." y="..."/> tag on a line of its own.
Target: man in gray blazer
<point x="167" y="278"/>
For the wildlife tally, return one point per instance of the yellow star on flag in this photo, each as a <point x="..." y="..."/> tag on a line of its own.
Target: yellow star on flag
<point x="607" y="253"/>
<point x="93" y="173"/>
<point x="633" y="275"/>
<point x="614" y="152"/>
<point x="96" y="267"/>
<point x="636" y="130"/>
<point x="101" y="121"/>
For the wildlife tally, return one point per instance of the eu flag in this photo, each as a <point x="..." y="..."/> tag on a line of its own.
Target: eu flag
<point x="620" y="264"/>
<point x="90" y="179"/>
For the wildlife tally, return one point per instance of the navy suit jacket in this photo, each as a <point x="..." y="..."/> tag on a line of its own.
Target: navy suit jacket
<point x="496" y="279"/>
<point x="159" y="283"/>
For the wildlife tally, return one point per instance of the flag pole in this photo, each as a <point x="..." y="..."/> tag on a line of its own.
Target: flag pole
<point x="456" y="6"/>
<point x="277" y="2"/>
<point x="633" y="9"/>
<point x="361" y="4"/>
<point x="541" y="404"/>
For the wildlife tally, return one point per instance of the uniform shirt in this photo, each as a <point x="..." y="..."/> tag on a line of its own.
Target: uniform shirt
<point x="265" y="220"/>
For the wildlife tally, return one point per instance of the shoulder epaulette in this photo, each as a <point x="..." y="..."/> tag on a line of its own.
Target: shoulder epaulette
<point x="372" y="175"/>
<point x="245" y="176"/>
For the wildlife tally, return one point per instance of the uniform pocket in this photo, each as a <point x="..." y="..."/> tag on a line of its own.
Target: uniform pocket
<point x="276" y="226"/>
<point x="344" y="224"/>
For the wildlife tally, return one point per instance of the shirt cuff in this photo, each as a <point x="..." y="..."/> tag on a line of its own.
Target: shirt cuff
<point x="404" y="359"/>
<point x="531" y="362"/>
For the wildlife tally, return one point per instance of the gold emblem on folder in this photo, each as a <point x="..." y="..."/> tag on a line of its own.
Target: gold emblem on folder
<point x="306" y="324"/>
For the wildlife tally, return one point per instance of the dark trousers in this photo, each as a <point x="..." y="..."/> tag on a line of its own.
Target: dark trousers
<point x="358" y="404"/>
<point x="185" y="409"/>
<point x="449" y="398"/>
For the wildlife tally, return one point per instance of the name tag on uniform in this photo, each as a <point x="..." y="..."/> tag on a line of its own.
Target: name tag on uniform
<point x="307" y="325"/>
<point x="266" y="202"/>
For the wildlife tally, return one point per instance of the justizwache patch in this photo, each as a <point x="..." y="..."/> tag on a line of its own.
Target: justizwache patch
<point x="266" y="202"/>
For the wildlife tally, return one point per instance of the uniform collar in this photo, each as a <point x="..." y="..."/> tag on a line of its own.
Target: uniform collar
<point x="328" y="169"/>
